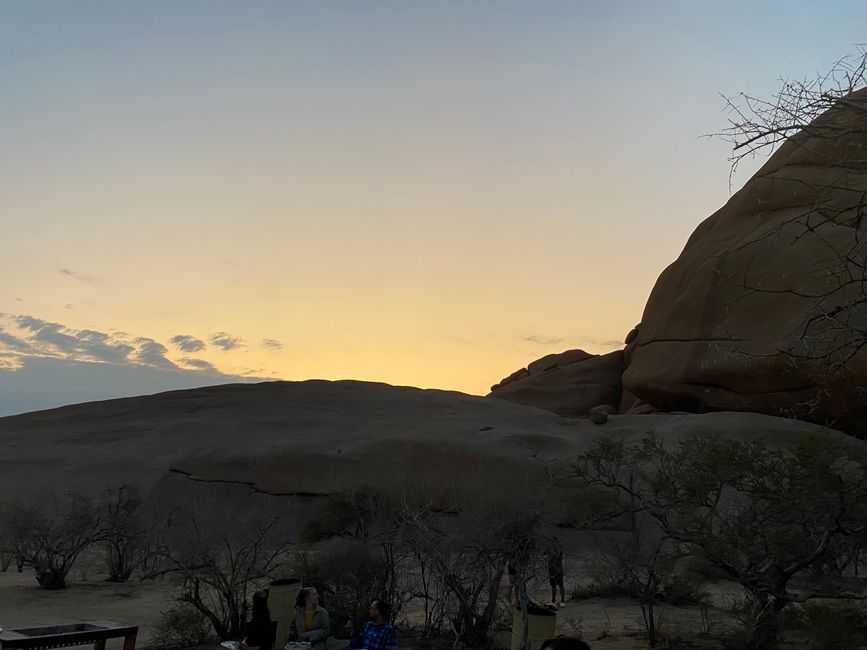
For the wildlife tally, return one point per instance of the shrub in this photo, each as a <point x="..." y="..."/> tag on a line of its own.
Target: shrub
<point x="49" y="533"/>
<point x="122" y="534"/>
<point x="181" y="626"/>
<point x="687" y="588"/>
<point x="827" y="624"/>
<point x="348" y="513"/>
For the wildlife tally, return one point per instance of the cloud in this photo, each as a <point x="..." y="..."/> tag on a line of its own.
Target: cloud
<point x="45" y="364"/>
<point x="98" y="346"/>
<point x="186" y="343"/>
<point x="200" y="364"/>
<point x="151" y="353"/>
<point x="542" y="340"/>
<point x="271" y="344"/>
<point x="581" y="342"/>
<point x="29" y="323"/>
<point x="49" y="339"/>
<point x="81" y="277"/>
<point x="13" y="343"/>
<point x="608" y="343"/>
<point x="42" y="383"/>
<point x="226" y="341"/>
<point x="53" y="334"/>
<point x="42" y="338"/>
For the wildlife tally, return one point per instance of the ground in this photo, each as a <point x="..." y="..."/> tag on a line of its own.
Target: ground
<point x="607" y="624"/>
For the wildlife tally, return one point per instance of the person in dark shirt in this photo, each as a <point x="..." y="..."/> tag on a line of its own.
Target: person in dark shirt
<point x="260" y="629"/>
<point x="555" y="572"/>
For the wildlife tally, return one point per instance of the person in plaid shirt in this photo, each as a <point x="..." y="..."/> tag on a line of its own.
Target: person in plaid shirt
<point x="378" y="633"/>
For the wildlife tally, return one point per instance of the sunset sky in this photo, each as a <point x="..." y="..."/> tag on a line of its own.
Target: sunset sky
<point x="421" y="193"/>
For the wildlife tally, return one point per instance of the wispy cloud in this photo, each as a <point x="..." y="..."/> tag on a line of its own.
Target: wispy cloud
<point x="199" y="364"/>
<point x="581" y="342"/>
<point x="81" y="277"/>
<point x="226" y="341"/>
<point x="542" y="340"/>
<point x="271" y="344"/>
<point x="600" y="343"/>
<point x="187" y="343"/>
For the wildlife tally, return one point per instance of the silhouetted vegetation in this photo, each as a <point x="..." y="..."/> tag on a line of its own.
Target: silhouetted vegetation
<point x="767" y="518"/>
<point x="50" y="532"/>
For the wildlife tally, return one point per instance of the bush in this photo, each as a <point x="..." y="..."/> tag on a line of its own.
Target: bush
<point x="49" y="533"/>
<point x="827" y="624"/>
<point x="181" y="626"/>
<point x="607" y="580"/>
<point x="348" y="513"/>
<point x="687" y="588"/>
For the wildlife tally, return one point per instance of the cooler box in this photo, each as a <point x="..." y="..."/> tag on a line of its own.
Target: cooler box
<point x="541" y="626"/>
<point x="281" y="604"/>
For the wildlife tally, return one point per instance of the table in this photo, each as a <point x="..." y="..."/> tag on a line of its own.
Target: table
<point x="61" y="636"/>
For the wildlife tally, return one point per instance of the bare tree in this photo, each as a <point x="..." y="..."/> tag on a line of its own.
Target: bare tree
<point x="469" y="557"/>
<point x="760" y="126"/>
<point x="219" y="567"/>
<point x="122" y="532"/>
<point x="50" y="532"/>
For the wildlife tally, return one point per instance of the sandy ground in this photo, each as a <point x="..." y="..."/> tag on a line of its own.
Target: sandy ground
<point x="605" y="624"/>
<point x="24" y="604"/>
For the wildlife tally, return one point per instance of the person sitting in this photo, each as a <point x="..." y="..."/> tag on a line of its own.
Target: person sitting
<point x="564" y="643"/>
<point x="312" y="623"/>
<point x="260" y="629"/>
<point x="377" y="633"/>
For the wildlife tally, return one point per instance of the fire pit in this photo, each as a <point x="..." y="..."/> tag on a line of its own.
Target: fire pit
<point x="60" y="636"/>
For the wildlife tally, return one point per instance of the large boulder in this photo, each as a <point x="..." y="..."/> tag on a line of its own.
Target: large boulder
<point x="570" y="383"/>
<point x="765" y="309"/>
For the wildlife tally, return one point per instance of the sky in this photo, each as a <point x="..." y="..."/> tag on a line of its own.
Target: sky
<point x="426" y="193"/>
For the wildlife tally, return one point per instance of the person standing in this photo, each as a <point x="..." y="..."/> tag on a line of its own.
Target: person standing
<point x="555" y="572"/>
<point x="512" y="571"/>
<point x="260" y="629"/>
<point x="311" y="621"/>
<point x="378" y="633"/>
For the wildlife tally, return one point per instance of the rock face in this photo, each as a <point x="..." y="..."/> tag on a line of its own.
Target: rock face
<point x="569" y="384"/>
<point x="282" y="438"/>
<point x="765" y="309"/>
<point x="289" y="444"/>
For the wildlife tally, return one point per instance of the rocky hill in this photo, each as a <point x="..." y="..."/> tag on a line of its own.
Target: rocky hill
<point x="304" y="440"/>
